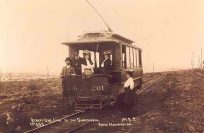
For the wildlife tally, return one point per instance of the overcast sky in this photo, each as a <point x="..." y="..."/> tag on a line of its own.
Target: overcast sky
<point x="170" y="32"/>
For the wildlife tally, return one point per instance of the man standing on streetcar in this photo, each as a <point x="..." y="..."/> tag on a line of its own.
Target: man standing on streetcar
<point x="66" y="73"/>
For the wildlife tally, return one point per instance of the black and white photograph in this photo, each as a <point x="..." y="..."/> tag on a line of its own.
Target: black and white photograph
<point x="102" y="66"/>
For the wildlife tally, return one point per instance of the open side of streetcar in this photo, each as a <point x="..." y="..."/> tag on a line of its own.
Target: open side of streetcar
<point x="100" y="88"/>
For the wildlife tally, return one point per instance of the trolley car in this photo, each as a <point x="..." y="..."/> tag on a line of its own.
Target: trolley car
<point x="101" y="88"/>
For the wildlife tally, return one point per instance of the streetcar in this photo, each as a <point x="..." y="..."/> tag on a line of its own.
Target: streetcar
<point x="100" y="88"/>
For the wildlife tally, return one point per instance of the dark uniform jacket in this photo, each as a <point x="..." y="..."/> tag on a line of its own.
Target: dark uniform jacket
<point x="107" y="64"/>
<point x="76" y="63"/>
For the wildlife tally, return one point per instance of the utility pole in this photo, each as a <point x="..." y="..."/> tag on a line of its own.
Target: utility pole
<point x="199" y="62"/>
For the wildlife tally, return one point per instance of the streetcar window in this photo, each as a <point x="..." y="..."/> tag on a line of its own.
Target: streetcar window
<point x="140" y="58"/>
<point x="128" y="57"/>
<point x="135" y="57"/>
<point x="101" y="56"/>
<point x="123" y="60"/>
<point x="111" y="57"/>
<point x="92" y="57"/>
<point x="137" y="63"/>
<point x="131" y="57"/>
<point x="95" y="61"/>
<point x="123" y="57"/>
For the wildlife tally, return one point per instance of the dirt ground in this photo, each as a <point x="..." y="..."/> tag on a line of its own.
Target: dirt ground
<point x="174" y="105"/>
<point x="22" y="101"/>
<point x="178" y="105"/>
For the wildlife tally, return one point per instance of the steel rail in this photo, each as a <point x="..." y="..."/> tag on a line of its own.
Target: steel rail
<point x="151" y="78"/>
<point x="157" y="80"/>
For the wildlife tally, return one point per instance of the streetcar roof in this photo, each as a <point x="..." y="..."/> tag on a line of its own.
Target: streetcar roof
<point x="101" y="37"/>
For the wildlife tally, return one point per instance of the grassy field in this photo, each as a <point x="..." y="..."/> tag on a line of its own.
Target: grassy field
<point x="20" y="101"/>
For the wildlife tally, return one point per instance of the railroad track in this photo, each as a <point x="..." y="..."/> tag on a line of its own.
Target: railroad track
<point x="66" y="126"/>
<point x="145" y="87"/>
<point x="151" y="78"/>
<point x="149" y="82"/>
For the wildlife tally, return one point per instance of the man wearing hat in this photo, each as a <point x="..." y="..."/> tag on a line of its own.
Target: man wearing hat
<point x="77" y="62"/>
<point x="106" y="64"/>
<point x="67" y="71"/>
<point x="87" y="66"/>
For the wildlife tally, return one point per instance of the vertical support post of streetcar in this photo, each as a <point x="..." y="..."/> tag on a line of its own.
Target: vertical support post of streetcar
<point x="118" y="53"/>
<point x="95" y="60"/>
